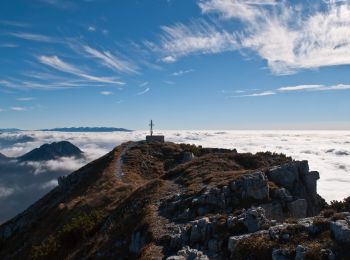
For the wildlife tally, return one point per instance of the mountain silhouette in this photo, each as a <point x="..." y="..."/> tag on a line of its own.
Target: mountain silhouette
<point x="52" y="151"/>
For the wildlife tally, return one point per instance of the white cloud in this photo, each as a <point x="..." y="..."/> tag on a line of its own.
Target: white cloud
<point x="33" y="37"/>
<point x="106" y="93"/>
<point x="169" y="59"/>
<point x="112" y="61"/>
<point x="260" y="94"/>
<point x="198" y="38"/>
<point x="168" y="82"/>
<point x="299" y="88"/>
<point x="182" y="72"/>
<point x="314" y="88"/>
<point x="66" y="164"/>
<point x="25" y="99"/>
<point x="144" y="84"/>
<point x="19" y="109"/>
<point x="91" y="28"/>
<point x="56" y="63"/>
<point x="49" y="185"/>
<point x="143" y="92"/>
<point x="290" y="38"/>
<point x="5" y="192"/>
<point x="9" y="45"/>
<point x="241" y="9"/>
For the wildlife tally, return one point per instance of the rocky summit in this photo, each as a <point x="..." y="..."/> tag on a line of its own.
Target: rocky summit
<point x="178" y="201"/>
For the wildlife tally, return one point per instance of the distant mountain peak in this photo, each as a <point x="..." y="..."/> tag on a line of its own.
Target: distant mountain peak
<point x="3" y="157"/>
<point x="88" y="129"/>
<point x="52" y="151"/>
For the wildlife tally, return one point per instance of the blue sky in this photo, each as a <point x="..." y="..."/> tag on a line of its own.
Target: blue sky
<point x="187" y="64"/>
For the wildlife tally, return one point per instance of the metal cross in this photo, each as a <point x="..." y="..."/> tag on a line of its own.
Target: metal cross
<point x="151" y="125"/>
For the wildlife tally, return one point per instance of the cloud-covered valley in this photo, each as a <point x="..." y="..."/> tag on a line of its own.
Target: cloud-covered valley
<point x="22" y="183"/>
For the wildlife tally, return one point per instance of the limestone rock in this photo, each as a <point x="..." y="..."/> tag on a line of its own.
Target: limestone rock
<point x="137" y="241"/>
<point x="254" y="219"/>
<point x="187" y="157"/>
<point x="273" y="210"/>
<point x="200" y="230"/>
<point x="310" y="181"/>
<point x="284" y="195"/>
<point x="280" y="254"/>
<point x="232" y="241"/>
<point x="254" y="186"/>
<point x="192" y="254"/>
<point x="297" y="208"/>
<point x="286" y="175"/>
<point x="215" y="245"/>
<point x="340" y="231"/>
<point x="300" y="252"/>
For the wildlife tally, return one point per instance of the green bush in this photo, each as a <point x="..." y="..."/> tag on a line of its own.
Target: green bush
<point x="340" y="206"/>
<point x="76" y="230"/>
<point x="45" y="249"/>
<point x="196" y="150"/>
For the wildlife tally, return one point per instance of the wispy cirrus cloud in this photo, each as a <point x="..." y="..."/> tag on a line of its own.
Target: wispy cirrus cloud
<point x="298" y="88"/>
<point x="9" y="45"/>
<point x="314" y="88"/>
<point x="182" y="72"/>
<point x="25" y="99"/>
<point x="91" y="28"/>
<point x="47" y="85"/>
<point x="106" y="93"/>
<point x="260" y="94"/>
<point x="58" y="64"/>
<point x="19" y="109"/>
<point x="14" y="23"/>
<point x="282" y="34"/>
<point x="33" y="37"/>
<point x="111" y="60"/>
<point x="143" y="92"/>
<point x="200" y="37"/>
<point x="144" y="84"/>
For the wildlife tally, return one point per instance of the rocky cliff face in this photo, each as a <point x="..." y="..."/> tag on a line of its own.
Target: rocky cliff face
<point x="181" y="202"/>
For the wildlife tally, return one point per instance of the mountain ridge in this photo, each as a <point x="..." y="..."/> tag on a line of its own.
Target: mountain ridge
<point x="177" y="201"/>
<point x="88" y="129"/>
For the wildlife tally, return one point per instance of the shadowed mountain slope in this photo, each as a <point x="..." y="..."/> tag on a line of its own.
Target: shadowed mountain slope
<point x="52" y="151"/>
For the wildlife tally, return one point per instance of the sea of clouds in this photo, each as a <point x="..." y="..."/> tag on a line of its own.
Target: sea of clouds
<point x="327" y="152"/>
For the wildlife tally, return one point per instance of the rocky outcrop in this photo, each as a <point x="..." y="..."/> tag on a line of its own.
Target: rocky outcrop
<point x="252" y="186"/>
<point x="188" y="253"/>
<point x="341" y="231"/>
<point x="187" y="157"/>
<point x="298" y="190"/>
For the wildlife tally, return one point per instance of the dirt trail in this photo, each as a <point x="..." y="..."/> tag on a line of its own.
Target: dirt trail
<point x="119" y="169"/>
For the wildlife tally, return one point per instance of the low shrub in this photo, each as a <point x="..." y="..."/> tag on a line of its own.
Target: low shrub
<point x="340" y="206"/>
<point x="258" y="247"/>
<point x="196" y="150"/>
<point x="327" y="213"/>
<point x="73" y="232"/>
